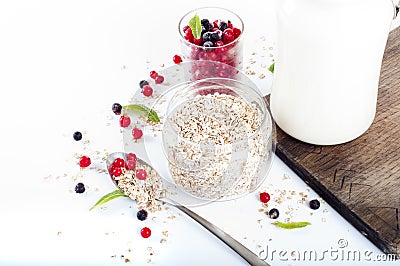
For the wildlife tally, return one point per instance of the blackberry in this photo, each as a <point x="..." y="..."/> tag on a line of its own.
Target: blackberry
<point x="142" y="215"/>
<point x="215" y="37"/>
<point x="80" y="188"/>
<point x="203" y="30"/>
<point x="207" y="37"/>
<point x="77" y="136"/>
<point x="208" y="26"/>
<point x="143" y="83"/>
<point x="314" y="204"/>
<point x="223" y="25"/>
<point x="117" y="108"/>
<point x="205" y="21"/>
<point x="273" y="213"/>
<point x="208" y="45"/>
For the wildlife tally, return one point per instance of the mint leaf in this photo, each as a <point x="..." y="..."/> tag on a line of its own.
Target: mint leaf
<point x="141" y="109"/>
<point x="291" y="225"/>
<point x="106" y="198"/>
<point x="195" y="26"/>
<point x="272" y="67"/>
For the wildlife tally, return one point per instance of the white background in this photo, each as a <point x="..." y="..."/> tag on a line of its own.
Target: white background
<point x="62" y="65"/>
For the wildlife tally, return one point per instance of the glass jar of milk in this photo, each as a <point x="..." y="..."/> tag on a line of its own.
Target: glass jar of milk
<point x="328" y="61"/>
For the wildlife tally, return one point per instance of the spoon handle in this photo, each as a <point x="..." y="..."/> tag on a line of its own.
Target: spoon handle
<point x="244" y="252"/>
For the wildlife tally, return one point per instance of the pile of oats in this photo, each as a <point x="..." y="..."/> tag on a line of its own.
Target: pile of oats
<point x="145" y="192"/>
<point x="222" y="146"/>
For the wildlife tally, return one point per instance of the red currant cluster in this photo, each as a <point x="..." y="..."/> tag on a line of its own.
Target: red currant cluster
<point x="125" y="121"/>
<point x="218" y="42"/>
<point x="120" y="165"/>
<point x="144" y="85"/>
<point x="117" y="168"/>
<point x="215" y="34"/>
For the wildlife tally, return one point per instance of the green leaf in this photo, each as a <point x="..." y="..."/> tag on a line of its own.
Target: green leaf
<point x="272" y="67"/>
<point x="195" y="26"/>
<point x="141" y="109"/>
<point x="292" y="225"/>
<point x="106" y="198"/>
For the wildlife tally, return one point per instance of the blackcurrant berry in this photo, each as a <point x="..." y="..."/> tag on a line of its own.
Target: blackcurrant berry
<point x="314" y="204"/>
<point x="117" y="108"/>
<point x="80" y="188"/>
<point x="143" y="83"/>
<point x="142" y="215"/>
<point x="273" y="213"/>
<point x="77" y="136"/>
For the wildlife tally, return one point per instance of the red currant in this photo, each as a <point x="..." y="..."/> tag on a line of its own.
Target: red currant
<point x="219" y="43"/>
<point x="216" y="23"/>
<point x="153" y="74"/>
<point x="177" y="59"/>
<point x="141" y="174"/>
<point x="228" y="36"/>
<point x="264" y="197"/>
<point x="147" y="90"/>
<point x="137" y="133"/>
<point x="84" y="161"/>
<point x="159" y="79"/>
<point x="198" y="41"/>
<point x="145" y="232"/>
<point x="116" y="171"/>
<point x="188" y="34"/>
<point x="119" y="162"/>
<point x="236" y="32"/>
<point x="131" y="157"/>
<point x="130" y="165"/>
<point x="124" y="121"/>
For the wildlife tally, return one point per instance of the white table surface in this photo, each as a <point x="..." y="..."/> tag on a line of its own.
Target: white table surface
<point x="62" y="65"/>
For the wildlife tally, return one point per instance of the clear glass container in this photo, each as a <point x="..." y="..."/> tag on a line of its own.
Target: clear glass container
<point x="211" y="166"/>
<point x="230" y="53"/>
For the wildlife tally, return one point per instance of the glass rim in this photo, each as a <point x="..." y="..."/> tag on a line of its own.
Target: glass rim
<point x="210" y="7"/>
<point x="264" y="108"/>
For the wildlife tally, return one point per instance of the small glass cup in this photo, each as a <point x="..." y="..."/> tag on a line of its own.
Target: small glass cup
<point x="228" y="53"/>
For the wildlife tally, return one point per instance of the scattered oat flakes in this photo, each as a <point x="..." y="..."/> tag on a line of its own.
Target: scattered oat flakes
<point x="145" y="192"/>
<point x="250" y="72"/>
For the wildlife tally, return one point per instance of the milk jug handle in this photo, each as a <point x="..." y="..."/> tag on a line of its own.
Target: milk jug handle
<point x="396" y="7"/>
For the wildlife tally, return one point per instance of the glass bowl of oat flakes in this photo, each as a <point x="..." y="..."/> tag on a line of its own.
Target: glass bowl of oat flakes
<point x="218" y="138"/>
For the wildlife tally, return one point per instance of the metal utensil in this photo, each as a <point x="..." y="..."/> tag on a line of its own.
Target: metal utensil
<point x="244" y="252"/>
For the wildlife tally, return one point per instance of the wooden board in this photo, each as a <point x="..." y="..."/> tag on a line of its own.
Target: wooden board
<point x="361" y="179"/>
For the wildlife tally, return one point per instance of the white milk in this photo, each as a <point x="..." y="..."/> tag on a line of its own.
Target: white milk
<point x="328" y="61"/>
